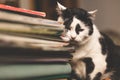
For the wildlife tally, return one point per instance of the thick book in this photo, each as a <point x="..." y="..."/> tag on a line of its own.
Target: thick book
<point x="33" y="71"/>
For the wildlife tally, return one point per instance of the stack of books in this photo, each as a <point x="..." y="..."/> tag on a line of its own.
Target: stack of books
<point x="30" y="46"/>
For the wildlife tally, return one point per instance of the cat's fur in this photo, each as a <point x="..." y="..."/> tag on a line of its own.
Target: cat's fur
<point x="96" y="56"/>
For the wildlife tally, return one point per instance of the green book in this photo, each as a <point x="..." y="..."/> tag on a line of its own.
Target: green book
<point x="34" y="71"/>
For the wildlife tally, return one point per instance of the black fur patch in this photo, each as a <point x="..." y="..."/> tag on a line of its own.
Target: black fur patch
<point x="78" y="29"/>
<point x="89" y="65"/>
<point x="98" y="76"/>
<point x="103" y="44"/>
<point x="107" y="44"/>
<point x="68" y="22"/>
<point x="74" y="76"/>
<point x="80" y="14"/>
<point x="113" y="56"/>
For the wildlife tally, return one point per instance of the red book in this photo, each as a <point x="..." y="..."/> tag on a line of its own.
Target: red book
<point x="31" y="12"/>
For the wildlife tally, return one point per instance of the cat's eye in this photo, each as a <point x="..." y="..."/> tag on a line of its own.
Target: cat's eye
<point x="81" y="29"/>
<point x="78" y="29"/>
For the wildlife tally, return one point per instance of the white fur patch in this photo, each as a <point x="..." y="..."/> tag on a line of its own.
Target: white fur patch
<point x="92" y="49"/>
<point x="60" y="6"/>
<point x="80" y="69"/>
<point x="60" y="20"/>
<point x="89" y="47"/>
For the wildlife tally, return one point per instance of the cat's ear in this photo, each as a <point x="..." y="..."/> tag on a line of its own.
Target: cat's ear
<point x="93" y="14"/>
<point x="60" y="8"/>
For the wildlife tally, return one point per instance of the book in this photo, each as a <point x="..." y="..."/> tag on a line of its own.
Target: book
<point x="29" y="71"/>
<point x="21" y="10"/>
<point x="31" y="43"/>
<point x="29" y="59"/>
<point x="33" y="31"/>
<point x="13" y="17"/>
<point x="8" y="52"/>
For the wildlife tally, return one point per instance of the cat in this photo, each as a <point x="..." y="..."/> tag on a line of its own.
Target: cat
<point x="96" y="57"/>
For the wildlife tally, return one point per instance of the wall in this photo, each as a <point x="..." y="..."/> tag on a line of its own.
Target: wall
<point x="27" y="4"/>
<point x="108" y="16"/>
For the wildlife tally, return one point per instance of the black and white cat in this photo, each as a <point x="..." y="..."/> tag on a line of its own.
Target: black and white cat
<point x="96" y="56"/>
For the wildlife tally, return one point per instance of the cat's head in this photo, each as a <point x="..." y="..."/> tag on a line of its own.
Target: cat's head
<point x="78" y="23"/>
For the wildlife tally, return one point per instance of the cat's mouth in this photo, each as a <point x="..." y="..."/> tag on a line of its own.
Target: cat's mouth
<point x="72" y="42"/>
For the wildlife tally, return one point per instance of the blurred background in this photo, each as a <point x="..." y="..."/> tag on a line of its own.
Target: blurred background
<point x="107" y="19"/>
